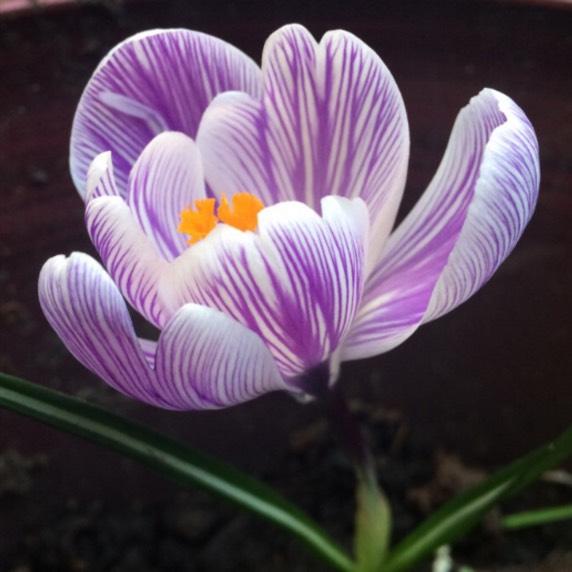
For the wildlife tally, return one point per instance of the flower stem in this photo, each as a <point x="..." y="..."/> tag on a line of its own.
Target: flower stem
<point x="316" y="383"/>
<point x="351" y="436"/>
<point x="373" y="515"/>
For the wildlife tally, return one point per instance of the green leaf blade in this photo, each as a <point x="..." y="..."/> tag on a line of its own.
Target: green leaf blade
<point x="460" y="514"/>
<point x="169" y="457"/>
<point x="537" y="517"/>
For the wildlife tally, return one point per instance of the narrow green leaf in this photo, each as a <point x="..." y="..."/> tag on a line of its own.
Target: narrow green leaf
<point x="537" y="517"/>
<point x="456" y="517"/>
<point x="169" y="457"/>
<point x="373" y="525"/>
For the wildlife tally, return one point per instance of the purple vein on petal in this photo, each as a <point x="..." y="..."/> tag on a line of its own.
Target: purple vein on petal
<point x="207" y="360"/>
<point x="128" y="255"/>
<point x="86" y="310"/>
<point x="162" y="79"/>
<point x="331" y="122"/>
<point x="465" y="224"/>
<point x="167" y="177"/>
<point x="297" y="284"/>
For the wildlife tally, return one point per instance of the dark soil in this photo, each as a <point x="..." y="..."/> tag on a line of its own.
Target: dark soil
<point x="192" y="531"/>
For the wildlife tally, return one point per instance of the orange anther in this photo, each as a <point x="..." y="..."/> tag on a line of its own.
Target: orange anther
<point x="244" y="212"/>
<point x="197" y="224"/>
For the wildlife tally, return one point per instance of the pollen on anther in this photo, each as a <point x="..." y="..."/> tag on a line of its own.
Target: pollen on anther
<point x="198" y="223"/>
<point x="244" y="211"/>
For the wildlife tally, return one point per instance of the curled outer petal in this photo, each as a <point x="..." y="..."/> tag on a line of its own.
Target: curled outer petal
<point x="197" y="363"/>
<point x="86" y="310"/>
<point x="466" y="223"/>
<point x="505" y="198"/>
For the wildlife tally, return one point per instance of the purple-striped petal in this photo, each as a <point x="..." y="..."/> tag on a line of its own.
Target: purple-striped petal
<point x="464" y="226"/>
<point x="86" y="310"/>
<point x="332" y="122"/>
<point x="206" y="360"/>
<point x="166" y="178"/>
<point x="101" y="178"/>
<point x="232" y="138"/>
<point x="297" y="283"/>
<point x="152" y="82"/>
<point x="203" y="360"/>
<point x="149" y="349"/>
<point x="128" y="254"/>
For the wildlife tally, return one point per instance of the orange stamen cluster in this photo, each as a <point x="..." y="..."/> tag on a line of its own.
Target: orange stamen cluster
<point x="198" y="223"/>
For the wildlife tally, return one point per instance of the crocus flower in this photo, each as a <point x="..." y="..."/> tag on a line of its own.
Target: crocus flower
<point x="247" y="212"/>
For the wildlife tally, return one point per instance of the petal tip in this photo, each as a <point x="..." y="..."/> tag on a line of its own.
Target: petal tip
<point x="99" y="168"/>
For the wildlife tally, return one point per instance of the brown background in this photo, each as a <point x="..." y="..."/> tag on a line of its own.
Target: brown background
<point x="489" y="381"/>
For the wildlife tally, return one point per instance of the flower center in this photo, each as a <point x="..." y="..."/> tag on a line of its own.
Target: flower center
<point x="198" y="223"/>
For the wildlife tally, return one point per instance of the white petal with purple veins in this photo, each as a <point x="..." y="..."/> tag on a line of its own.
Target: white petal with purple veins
<point x="505" y="198"/>
<point x="332" y="122"/>
<point x="464" y="226"/>
<point x="129" y="256"/>
<point x="334" y="108"/>
<point x="149" y="349"/>
<point x="85" y="308"/>
<point x="100" y="178"/>
<point x="153" y="81"/>
<point x="166" y="178"/>
<point x="203" y="360"/>
<point x="206" y="360"/>
<point x="233" y="145"/>
<point x="297" y="283"/>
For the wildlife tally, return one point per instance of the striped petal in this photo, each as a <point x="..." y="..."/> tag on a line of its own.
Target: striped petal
<point x="206" y="360"/>
<point x="203" y="360"/>
<point x="152" y="82"/>
<point x="101" y="178"/>
<point x="149" y="349"/>
<point x="464" y="226"/>
<point x="128" y="254"/>
<point x="232" y="138"/>
<point x="297" y="283"/>
<point x="166" y="178"/>
<point x="332" y="122"/>
<point x="86" y="310"/>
